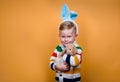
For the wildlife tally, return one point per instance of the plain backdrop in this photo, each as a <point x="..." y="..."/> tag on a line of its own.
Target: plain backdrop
<point x="29" y="34"/>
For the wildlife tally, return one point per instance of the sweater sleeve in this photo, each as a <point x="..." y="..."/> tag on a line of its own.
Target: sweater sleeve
<point x="74" y="60"/>
<point x="54" y="56"/>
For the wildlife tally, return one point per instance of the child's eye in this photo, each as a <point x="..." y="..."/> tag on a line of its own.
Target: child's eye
<point x="63" y="36"/>
<point x="69" y="36"/>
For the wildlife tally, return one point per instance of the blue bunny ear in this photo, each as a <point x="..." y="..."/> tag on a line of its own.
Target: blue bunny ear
<point x="65" y="12"/>
<point x="73" y="15"/>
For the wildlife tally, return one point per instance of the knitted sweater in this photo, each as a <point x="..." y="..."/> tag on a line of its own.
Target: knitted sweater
<point x="73" y="61"/>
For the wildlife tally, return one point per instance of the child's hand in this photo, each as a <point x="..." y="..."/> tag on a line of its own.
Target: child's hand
<point x="63" y="67"/>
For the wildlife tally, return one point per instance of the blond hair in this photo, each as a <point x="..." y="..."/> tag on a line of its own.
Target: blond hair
<point x="67" y="25"/>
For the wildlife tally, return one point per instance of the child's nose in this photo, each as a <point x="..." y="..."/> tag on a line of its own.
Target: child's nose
<point x="66" y="39"/>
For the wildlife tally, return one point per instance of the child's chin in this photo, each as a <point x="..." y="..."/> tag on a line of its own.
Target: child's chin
<point x="65" y="45"/>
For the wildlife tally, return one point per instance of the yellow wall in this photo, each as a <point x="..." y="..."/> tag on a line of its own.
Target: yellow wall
<point x="28" y="36"/>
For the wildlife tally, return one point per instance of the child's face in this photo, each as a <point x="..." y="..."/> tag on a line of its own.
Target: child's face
<point x="67" y="36"/>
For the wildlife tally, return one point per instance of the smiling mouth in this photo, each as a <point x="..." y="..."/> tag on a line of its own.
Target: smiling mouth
<point x="66" y="43"/>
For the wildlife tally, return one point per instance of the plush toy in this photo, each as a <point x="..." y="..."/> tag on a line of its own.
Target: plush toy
<point x="59" y="59"/>
<point x="69" y="50"/>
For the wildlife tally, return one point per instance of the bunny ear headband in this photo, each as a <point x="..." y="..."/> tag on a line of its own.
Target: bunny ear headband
<point x="69" y="16"/>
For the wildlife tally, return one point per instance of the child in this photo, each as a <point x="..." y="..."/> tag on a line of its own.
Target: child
<point x="70" y="68"/>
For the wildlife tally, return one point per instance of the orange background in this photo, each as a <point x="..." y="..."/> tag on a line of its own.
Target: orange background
<point x="29" y="34"/>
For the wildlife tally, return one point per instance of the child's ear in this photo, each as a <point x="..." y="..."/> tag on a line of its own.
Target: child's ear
<point x="76" y="35"/>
